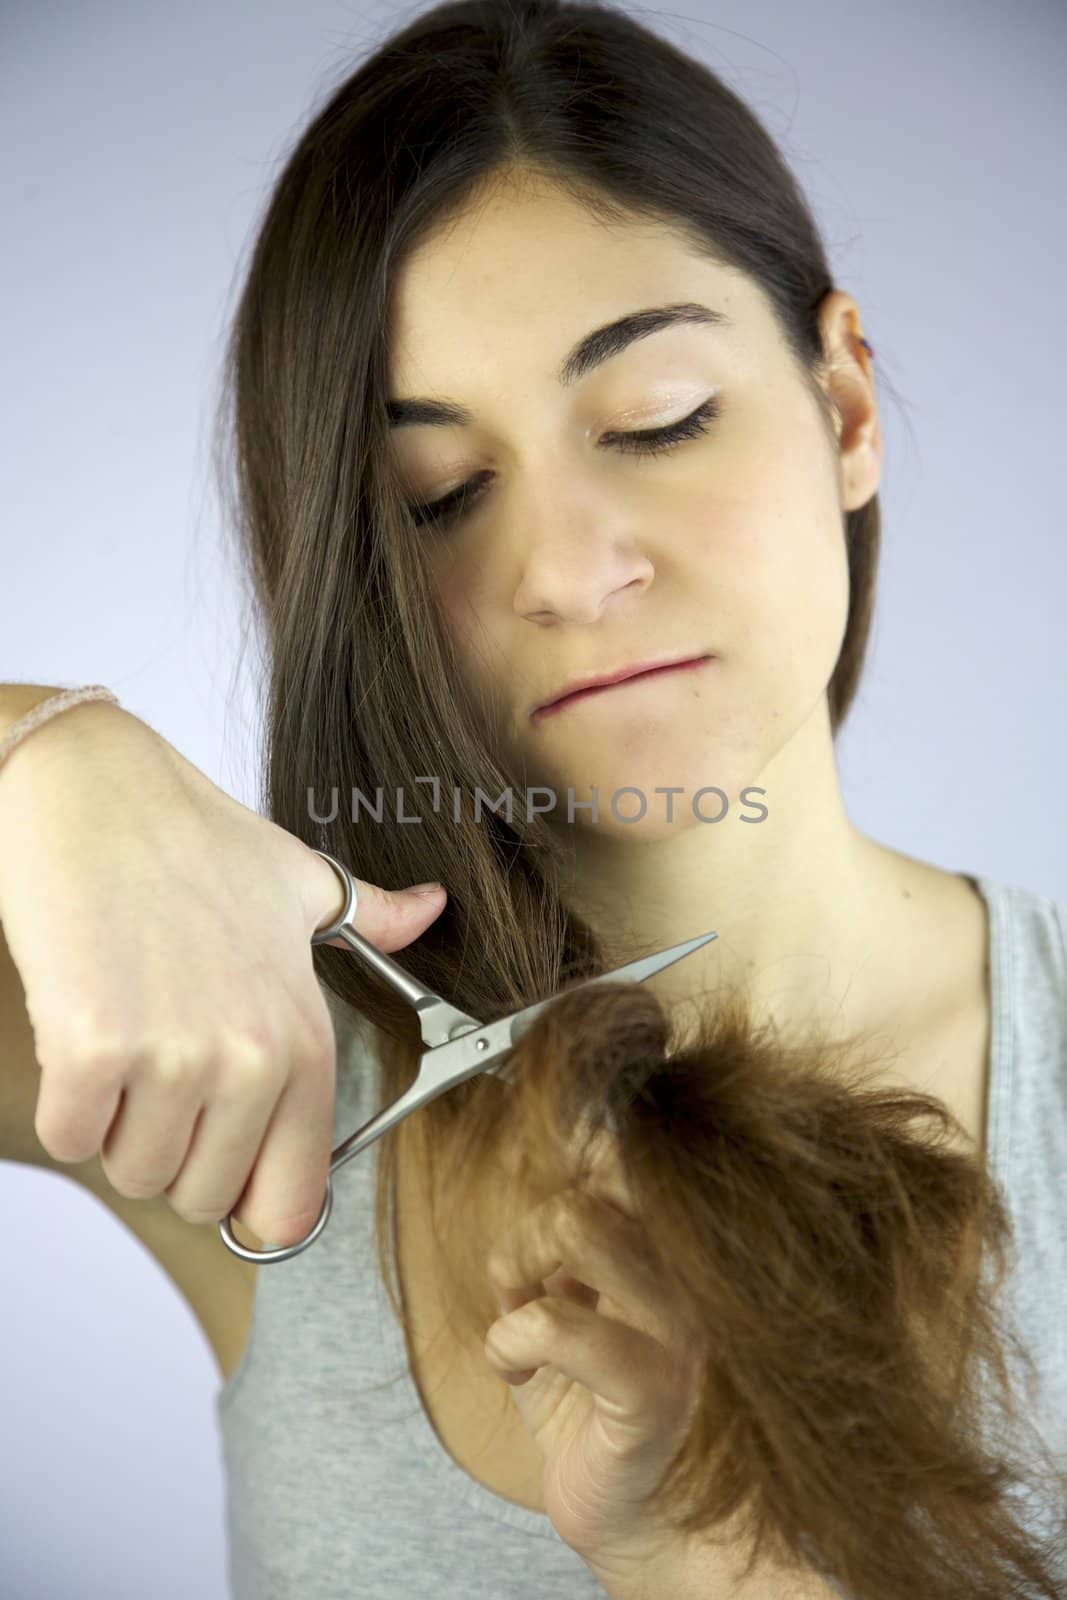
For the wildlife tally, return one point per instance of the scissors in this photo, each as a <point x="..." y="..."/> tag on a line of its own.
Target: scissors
<point x="457" y="1047"/>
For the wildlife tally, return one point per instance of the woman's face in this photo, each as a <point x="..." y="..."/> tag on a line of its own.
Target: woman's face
<point x="575" y="557"/>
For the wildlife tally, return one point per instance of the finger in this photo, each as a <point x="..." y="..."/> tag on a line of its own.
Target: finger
<point x="221" y="1153"/>
<point x="389" y="918"/>
<point x="591" y="1241"/>
<point x="146" y="1142"/>
<point x="629" y="1371"/>
<point x="287" y="1189"/>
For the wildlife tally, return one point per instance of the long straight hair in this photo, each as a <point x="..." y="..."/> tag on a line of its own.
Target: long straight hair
<point x="839" y="1265"/>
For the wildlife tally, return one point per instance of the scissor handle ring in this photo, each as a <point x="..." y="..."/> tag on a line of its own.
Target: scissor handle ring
<point x="351" y="901"/>
<point x="281" y="1252"/>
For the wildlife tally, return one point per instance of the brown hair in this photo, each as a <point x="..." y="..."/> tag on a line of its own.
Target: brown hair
<point x="826" y="1244"/>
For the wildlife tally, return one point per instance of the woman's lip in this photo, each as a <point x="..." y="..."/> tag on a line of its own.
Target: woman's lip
<point x="604" y="688"/>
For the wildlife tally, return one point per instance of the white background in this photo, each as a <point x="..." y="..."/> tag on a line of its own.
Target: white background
<point x="136" y="146"/>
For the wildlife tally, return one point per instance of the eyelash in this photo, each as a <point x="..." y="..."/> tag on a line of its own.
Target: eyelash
<point x="646" y="442"/>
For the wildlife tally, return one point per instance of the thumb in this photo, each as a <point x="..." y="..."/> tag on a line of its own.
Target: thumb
<point x="393" y="918"/>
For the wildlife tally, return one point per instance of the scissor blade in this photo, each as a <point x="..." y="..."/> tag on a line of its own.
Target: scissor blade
<point x="633" y="972"/>
<point x="472" y="1047"/>
<point x="648" y="966"/>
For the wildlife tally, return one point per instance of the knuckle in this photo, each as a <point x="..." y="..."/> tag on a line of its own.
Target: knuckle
<point x="175" y="1061"/>
<point x="540" y="1315"/>
<point x="299" y="1223"/>
<point x="131" y="1188"/>
<point x="82" y="1048"/>
<point x="317" y="1025"/>
<point x="199" y="1214"/>
<point x="246" y="1058"/>
<point x="285" y="1228"/>
<point x="311" y="1049"/>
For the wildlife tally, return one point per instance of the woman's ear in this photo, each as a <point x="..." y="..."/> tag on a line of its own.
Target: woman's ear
<point x="850" y="389"/>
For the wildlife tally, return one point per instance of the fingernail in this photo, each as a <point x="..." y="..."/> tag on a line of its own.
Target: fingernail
<point x="425" y="888"/>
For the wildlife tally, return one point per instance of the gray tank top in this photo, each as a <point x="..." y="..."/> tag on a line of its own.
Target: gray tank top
<point x="337" y="1483"/>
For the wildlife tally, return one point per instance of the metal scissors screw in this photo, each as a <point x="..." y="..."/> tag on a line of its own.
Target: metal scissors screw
<point x="457" y="1046"/>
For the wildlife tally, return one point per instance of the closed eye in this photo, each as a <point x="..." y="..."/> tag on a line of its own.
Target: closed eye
<point x="648" y="442"/>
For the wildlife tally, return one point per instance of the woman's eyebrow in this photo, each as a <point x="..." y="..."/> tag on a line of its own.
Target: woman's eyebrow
<point x="589" y="352"/>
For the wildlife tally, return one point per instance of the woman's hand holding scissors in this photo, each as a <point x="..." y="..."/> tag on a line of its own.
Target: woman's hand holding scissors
<point x="162" y="934"/>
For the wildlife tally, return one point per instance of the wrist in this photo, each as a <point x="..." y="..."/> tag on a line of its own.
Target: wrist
<point x="701" y="1571"/>
<point x="677" y="1569"/>
<point x="16" y="699"/>
<point x="18" y="703"/>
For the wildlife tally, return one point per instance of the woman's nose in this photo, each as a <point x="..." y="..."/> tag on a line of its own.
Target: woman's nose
<point x="574" y="575"/>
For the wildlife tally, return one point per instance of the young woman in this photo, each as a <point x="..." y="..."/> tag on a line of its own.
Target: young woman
<point x="540" y="377"/>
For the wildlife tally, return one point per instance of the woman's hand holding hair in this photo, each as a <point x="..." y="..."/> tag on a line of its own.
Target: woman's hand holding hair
<point x="604" y="1379"/>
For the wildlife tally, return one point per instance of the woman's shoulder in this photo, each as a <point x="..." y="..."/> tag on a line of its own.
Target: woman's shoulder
<point x="1028" y="964"/>
<point x="1032" y="925"/>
